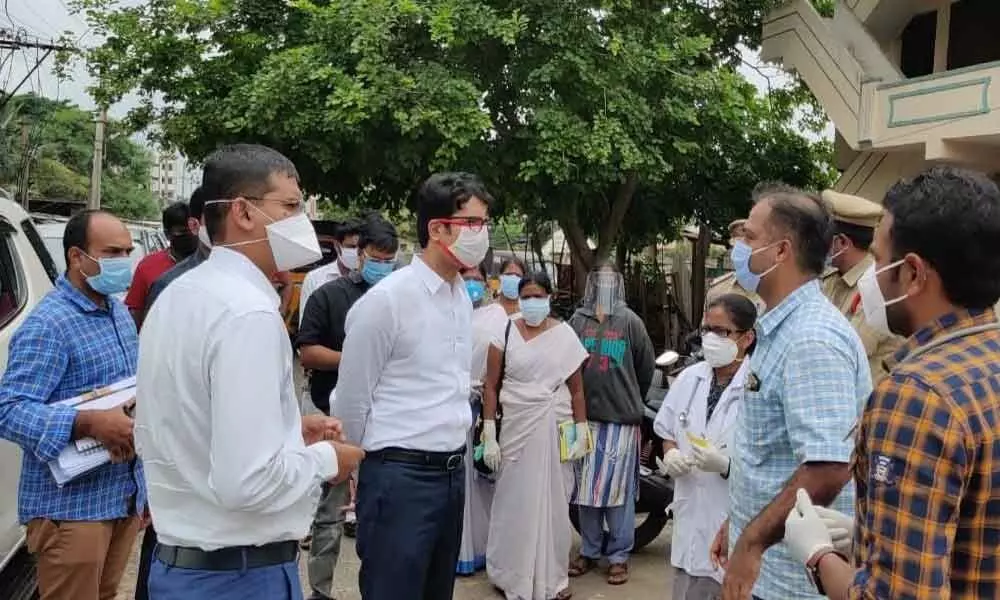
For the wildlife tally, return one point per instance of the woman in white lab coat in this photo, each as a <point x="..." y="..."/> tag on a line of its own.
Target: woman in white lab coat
<point x="697" y="421"/>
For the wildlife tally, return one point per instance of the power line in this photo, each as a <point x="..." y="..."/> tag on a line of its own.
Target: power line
<point x="20" y="40"/>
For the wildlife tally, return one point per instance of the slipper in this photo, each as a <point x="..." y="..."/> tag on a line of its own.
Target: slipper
<point x="618" y="574"/>
<point x="581" y="565"/>
<point x="565" y="594"/>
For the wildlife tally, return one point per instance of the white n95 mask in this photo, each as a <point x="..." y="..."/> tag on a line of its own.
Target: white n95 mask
<point x="872" y="300"/>
<point x="719" y="351"/>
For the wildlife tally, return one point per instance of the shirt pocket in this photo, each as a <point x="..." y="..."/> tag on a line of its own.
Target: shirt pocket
<point x="760" y="426"/>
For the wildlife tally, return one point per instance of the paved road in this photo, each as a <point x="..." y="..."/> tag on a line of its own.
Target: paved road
<point x="650" y="579"/>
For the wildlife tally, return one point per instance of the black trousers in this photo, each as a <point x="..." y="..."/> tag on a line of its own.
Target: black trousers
<point x="409" y="530"/>
<point x="145" y="561"/>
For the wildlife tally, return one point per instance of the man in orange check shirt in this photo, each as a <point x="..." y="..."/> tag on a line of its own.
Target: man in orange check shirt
<point x="182" y="231"/>
<point x="927" y="457"/>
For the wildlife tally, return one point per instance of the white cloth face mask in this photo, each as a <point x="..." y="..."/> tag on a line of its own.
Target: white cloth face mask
<point x="349" y="258"/>
<point x="471" y="246"/>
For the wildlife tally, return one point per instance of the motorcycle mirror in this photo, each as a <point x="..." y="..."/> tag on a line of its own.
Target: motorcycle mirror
<point x="667" y="358"/>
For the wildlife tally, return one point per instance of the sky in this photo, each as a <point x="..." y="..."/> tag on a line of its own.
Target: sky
<point x="51" y="18"/>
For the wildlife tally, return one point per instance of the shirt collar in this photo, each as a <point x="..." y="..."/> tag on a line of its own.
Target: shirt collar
<point x="232" y="261"/>
<point x="69" y="291"/>
<point x="432" y="281"/>
<point x="770" y="321"/>
<point x="852" y="276"/>
<point x="943" y="325"/>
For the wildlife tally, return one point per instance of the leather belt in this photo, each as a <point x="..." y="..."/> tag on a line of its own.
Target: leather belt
<point x="445" y="461"/>
<point x="236" y="558"/>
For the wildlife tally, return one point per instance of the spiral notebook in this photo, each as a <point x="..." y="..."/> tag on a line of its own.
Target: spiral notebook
<point x="85" y="455"/>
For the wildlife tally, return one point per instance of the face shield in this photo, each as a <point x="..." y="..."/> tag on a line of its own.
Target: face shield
<point x="605" y="292"/>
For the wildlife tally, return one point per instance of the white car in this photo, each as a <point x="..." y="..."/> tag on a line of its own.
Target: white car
<point x="27" y="273"/>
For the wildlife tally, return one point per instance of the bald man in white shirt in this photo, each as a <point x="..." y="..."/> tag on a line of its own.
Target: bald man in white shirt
<point x="403" y="393"/>
<point x="234" y="470"/>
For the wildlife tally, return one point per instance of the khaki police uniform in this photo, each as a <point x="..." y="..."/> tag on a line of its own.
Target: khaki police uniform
<point x="842" y="288"/>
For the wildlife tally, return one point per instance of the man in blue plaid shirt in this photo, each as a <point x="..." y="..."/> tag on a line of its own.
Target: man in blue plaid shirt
<point x="79" y="338"/>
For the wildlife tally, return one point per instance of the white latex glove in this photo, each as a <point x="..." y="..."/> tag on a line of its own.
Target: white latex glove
<point x="805" y="531"/>
<point x="840" y="526"/>
<point x="709" y="459"/>
<point x="673" y="464"/>
<point x="580" y="447"/>
<point x="491" y="448"/>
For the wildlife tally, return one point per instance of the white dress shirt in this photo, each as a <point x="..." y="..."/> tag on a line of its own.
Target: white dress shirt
<point x="314" y="280"/>
<point x="217" y="423"/>
<point x="404" y="376"/>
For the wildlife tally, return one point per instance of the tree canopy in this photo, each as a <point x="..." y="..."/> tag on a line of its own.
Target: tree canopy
<point x="60" y="152"/>
<point x="619" y="118"/>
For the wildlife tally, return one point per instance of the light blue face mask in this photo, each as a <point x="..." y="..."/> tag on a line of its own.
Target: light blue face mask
<point x="115" y="275"/>
<point x="375" y="271"/>
<point x="740" y="256"/>
<point x="535" y="310"/>
<point x="476" y="290"/>
<point x="508" y="286"/>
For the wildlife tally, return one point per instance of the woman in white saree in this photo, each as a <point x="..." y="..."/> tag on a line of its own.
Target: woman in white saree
<point x="530" y="533"/>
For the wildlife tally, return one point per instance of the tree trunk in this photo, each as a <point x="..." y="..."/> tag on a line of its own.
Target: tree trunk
<point x="698" y="259"/>
<point x="583" y="258"/>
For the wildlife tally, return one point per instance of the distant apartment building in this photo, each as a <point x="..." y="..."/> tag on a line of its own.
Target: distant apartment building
<point x="907" y="83"/>
<point x="172" y="178"/>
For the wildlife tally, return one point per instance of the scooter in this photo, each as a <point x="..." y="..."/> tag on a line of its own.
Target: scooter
<point x="656" y="491"/>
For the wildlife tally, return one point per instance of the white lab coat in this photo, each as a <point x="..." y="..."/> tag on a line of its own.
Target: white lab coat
<point x="701" y="500"/>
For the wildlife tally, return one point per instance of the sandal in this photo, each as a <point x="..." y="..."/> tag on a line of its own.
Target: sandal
<point x="581" y="565"/>
<point x="565" y="594"/>
<point x="618" y="574"/>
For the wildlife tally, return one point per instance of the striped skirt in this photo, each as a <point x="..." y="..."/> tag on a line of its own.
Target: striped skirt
<point x="605" y="475"/>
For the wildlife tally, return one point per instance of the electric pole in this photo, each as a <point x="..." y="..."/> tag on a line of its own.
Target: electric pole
<point x="12" y="41"/>
<point x="94" y="202"/>
<point x="23" y="182"/>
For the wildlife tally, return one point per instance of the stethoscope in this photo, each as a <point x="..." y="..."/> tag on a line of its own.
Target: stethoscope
<point x="684" y="416"/>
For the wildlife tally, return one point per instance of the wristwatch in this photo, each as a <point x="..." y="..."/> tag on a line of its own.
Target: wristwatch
<point x="812" y="568"/>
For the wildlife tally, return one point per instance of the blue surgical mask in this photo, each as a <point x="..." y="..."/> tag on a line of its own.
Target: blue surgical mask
<point x="509" y="285"/>
<point x="115" y="275"/>
<point x="375" y="271"/>
<point x="740" y="256"/>
<point x="476" y="290"/>
<point x="535" y="310"/>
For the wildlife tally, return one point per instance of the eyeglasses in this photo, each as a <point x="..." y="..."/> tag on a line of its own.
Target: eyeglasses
<point x="383" y="261"/>
<point x="475" y="224"/>
<point x="723" y="331"/>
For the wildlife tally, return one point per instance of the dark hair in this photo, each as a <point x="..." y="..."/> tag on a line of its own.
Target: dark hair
<point x="239" y="170"/>
<point x="513" y="260"/>
<point x="444" y="194"/>
<point x="77" y="232"/>
<point x="539" y="278"/>
<point x="770" y="188"/>
<point x="349" y="228"/>
<point x="379" y="234"/>
<point x="950" y="217"/>
<point x="175" y="215"/>
<point x="859" y="235"/>
<point x="740" y="310"/>
<point x="197" y="203"/>
<point x="480" y="268"/>
<point x="808" y="222"/>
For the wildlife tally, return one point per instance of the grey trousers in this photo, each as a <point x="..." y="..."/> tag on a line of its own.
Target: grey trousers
<point x="327" y="529"/>
<point x="689" y="587"/>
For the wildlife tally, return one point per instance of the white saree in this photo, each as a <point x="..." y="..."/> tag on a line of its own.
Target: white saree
<point x="527" y="553"/>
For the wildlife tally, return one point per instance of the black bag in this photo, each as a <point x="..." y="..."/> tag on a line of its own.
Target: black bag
<point x="477" y="434"/>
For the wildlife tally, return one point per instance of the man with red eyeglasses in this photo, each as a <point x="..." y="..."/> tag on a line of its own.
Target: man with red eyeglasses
<point x="403" y="394"/>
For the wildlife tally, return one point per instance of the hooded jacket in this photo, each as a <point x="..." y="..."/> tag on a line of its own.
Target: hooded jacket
<point x="620" y="369"/>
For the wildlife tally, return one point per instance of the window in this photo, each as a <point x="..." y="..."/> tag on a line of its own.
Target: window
<point x="971" y="37"/>
<point x="917" y="56"/>
<point x="48" y="263"/>
<point x="13" y="291"/>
